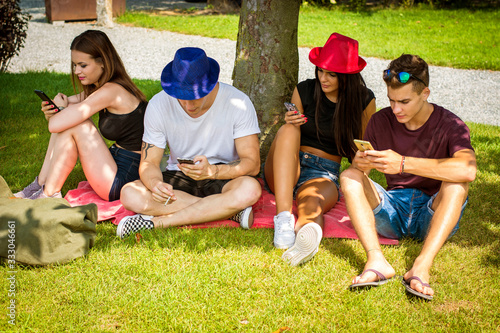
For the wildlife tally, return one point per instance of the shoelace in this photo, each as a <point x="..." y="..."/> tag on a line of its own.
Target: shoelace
<point x="283" y="224"/>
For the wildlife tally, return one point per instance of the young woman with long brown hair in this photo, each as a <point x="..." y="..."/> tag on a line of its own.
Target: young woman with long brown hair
<point x="304" y="159"/>
<point x="102" y="86"/>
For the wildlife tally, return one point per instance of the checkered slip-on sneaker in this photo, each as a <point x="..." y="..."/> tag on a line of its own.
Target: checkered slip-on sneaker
<point x="244" y="218"/>
<point x="134" y="223"/>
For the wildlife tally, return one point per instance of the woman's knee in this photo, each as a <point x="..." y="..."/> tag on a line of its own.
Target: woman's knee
<point x="287" y="131"/>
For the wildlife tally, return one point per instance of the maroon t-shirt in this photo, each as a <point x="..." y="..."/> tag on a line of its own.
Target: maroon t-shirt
<point x="440" y="137"/>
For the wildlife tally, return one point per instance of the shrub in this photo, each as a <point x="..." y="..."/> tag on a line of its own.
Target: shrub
<point x="13" y="31"/>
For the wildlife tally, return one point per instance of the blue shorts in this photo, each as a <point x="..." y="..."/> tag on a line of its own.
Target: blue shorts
<point x="405" y="213"/>
<point x="128" y="169"/>
<point x="313" y="167"/>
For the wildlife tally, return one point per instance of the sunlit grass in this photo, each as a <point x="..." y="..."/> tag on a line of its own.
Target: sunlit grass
<point x="454" y="38"/>
<point x="230" y="279"/>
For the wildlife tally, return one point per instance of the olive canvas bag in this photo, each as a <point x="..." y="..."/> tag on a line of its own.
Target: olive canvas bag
<point x="44" y="231"/>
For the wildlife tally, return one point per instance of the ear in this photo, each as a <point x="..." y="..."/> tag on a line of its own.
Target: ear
<point x="425" y="93"/>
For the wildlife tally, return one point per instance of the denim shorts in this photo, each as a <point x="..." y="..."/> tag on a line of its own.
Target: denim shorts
<point x="313" y="167"/>
<point x="198" y="188"/>
<point x="405" y="213"/>
<point x="128" y="169"/>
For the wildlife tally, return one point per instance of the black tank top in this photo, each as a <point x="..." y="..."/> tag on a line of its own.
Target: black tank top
<point x="125" y="129"/>
<point x="308" y="131"/>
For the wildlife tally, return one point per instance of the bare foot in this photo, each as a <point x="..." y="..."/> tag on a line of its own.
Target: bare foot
<point x="415" y="284"/>
<point x="376" y="261"/>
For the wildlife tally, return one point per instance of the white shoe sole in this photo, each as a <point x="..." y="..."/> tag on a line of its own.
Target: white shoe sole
<point x="245" y="219"/>
<point x="306" y="245"/>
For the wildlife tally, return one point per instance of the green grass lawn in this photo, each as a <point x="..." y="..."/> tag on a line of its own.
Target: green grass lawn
<point x="454" y="38"/>
<point x="229" y="279"/>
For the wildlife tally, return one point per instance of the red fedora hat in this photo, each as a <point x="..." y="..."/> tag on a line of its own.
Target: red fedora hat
<point x="339" y="55"/>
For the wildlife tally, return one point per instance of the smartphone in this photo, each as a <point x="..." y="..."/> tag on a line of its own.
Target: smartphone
<point x="291" y="107"/>
<point x="183" y="160"/>
<point x="363" y="145"/>
<point x="46" y="98"/>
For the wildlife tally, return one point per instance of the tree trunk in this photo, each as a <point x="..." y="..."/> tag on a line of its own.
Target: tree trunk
<point x="267" y="60"/>
<point x="104" y="9"/>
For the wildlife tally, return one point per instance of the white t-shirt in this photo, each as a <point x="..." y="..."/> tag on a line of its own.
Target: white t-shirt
<point x="231" y="116"/>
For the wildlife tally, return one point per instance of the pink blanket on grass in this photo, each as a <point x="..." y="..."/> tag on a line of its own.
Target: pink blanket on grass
<point x="337" y="222"/>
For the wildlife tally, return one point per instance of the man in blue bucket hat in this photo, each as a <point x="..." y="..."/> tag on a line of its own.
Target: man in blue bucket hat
<point x="211" y="131"/>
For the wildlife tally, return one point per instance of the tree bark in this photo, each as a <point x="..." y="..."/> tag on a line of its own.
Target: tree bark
<point x="267" y="60"/>
<point x="104" y="9"/>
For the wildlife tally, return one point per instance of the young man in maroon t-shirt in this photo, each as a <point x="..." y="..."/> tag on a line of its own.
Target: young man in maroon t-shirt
<point x="425" y="153"/>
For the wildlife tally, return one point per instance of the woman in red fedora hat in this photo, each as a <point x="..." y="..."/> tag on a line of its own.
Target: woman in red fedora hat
<point x="304" y="160"/>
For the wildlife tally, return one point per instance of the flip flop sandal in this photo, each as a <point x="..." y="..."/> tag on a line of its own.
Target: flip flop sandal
<point x="412" y="291"/>
<point x="381" y="280"/>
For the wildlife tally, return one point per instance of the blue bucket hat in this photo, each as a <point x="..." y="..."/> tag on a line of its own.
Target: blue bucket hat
<point x="191" y="75"/>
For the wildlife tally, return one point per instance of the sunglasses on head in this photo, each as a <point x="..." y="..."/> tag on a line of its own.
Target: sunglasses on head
<point x="402" y="77"/>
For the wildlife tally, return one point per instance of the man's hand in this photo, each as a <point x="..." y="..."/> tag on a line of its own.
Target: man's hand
<point x="362" y="163"/>
<point x="163" y="192"/>
<point x="385" y="161"/>
<point x="200" y="170"/>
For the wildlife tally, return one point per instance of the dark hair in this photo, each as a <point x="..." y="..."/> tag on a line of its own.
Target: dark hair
<point x="348" y="115"/>
<point x="412" y="64"/>
<point x="97" y="44"/>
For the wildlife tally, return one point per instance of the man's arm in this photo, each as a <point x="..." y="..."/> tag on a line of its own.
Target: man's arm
<point x="150" y="173"/>
<point x="248" y="164"/>
<point x="248" y="150"/>
<point x="460" y="168"/>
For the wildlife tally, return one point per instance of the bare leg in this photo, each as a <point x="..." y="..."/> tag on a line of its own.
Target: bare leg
<point x="236" y="195"/>
<point x="447" y="207"/>
<point x="361" y="198"/>
<point x="85" y="142"/>
<point x="314" y="198"/>
<point x="282" y="167"/>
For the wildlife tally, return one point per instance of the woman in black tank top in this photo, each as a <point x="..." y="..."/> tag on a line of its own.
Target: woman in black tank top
<point x="100" y="83"/>
<point x="304" y="159"/>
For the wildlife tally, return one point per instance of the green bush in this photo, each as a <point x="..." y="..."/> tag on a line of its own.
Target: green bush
<point x="13" y="31"/>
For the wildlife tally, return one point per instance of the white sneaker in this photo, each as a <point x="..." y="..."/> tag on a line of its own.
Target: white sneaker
<point x="244" y="218"/>
<point x="306" y="245"/>
<point x="284" y="233"/>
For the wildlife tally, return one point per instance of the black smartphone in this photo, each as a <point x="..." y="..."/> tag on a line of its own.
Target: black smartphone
<point x="291" y="107"/>
<point x="183" y="160"/>
<point x="46" y="98"/>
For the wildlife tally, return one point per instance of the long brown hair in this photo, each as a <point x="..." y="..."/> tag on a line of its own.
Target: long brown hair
<point x="97" y="44"/>
<point x="348" y="114"/>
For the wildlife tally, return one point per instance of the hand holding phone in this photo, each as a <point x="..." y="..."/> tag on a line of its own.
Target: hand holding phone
<point x="46" y="98"/>
<point x="291" y="107"/>
<point x="363" y="145"/>
<point x="183" y="160"/>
